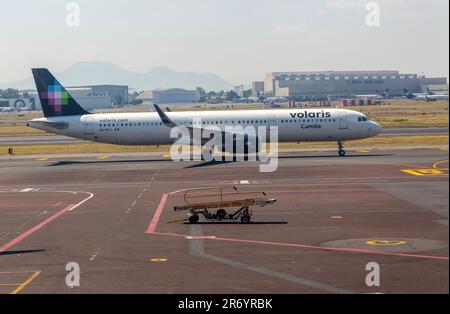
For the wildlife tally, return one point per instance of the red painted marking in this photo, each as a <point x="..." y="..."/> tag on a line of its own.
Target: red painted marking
<point x="154" y="222"/>
<point x="327" y="248"/>
<point x="34" y="229"/>
<point x="170" y="234"/>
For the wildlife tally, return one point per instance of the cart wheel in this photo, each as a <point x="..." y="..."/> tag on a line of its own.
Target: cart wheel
<point x="221" y="214"/>
<point x="194" y="219"/>
<point x="245" y="219"/>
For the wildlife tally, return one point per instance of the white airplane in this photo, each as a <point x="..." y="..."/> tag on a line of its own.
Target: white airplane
<point x="430" y="96"/>
<point x="64" y="116"/>
<point x="369" y="96"/>
<point x="377" y="95"/>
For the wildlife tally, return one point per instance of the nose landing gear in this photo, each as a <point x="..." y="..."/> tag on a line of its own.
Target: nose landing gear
<point x="341" y="151"/>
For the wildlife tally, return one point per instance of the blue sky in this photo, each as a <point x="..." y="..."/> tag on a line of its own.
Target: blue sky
<point x="240" y="40"/>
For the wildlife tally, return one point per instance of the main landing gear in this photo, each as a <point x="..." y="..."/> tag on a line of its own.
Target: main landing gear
<point x="341" y="151"/>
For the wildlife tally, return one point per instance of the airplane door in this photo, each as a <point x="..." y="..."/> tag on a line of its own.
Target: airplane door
<point x="88" y="127"/>
<point x="343" y="122"/>
<point x="271" y="121"/>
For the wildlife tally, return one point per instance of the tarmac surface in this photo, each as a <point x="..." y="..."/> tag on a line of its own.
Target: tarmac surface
<point x="333" y="216"/>
<point x="61" y="139"/>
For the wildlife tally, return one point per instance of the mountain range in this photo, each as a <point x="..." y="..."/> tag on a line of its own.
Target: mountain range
<point x="98" y="72"/>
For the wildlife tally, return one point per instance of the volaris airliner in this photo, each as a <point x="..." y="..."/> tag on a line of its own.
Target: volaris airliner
<point x="64" y="116"/>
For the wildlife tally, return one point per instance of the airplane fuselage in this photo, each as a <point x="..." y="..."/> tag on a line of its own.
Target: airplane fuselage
<point x="146" y="128"/>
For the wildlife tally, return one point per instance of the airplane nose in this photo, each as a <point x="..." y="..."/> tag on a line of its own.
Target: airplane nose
<point x="375" y="128"/>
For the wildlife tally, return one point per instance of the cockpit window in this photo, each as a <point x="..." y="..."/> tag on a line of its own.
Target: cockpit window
<point x="362" y="119"/>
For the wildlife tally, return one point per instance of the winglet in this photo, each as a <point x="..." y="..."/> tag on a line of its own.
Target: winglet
<point x="164" y="118"/>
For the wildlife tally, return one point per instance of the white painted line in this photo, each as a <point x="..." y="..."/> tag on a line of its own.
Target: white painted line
<point x="182" y="190"/>
<point x="94" y="256"/>
<point x="91" y="195"/>
<point x="244" y="182"/>
<point x="128" y="210"/>
<point x="134" y="203"/>
<point x="27" y="190"/>
<point x="43" y="213"/>
<point x="199" y="237"/>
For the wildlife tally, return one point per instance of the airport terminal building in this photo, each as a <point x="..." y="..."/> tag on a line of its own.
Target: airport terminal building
<point x="93" y="97"/>
<point x="341" y="84"/>
<point x="118" y="94"/>
<point x="170" y="96"/>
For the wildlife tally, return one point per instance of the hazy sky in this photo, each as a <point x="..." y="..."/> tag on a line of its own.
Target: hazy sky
<point x="240" y="40"/>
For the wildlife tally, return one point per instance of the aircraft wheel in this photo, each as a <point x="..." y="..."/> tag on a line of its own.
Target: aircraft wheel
<point x="341" y="152"/>
<point x="194" y="219"/>
<point x="221" y="214"/>
<point x="245" y="219"/>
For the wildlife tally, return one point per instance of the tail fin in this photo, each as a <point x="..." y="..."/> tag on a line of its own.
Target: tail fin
<point x="55" y="99"/>
<point x="261" y="98"/>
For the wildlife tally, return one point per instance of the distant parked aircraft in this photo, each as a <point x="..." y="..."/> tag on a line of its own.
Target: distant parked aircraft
<point x="429" y="96"/>
<point x="377" y="95"/>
